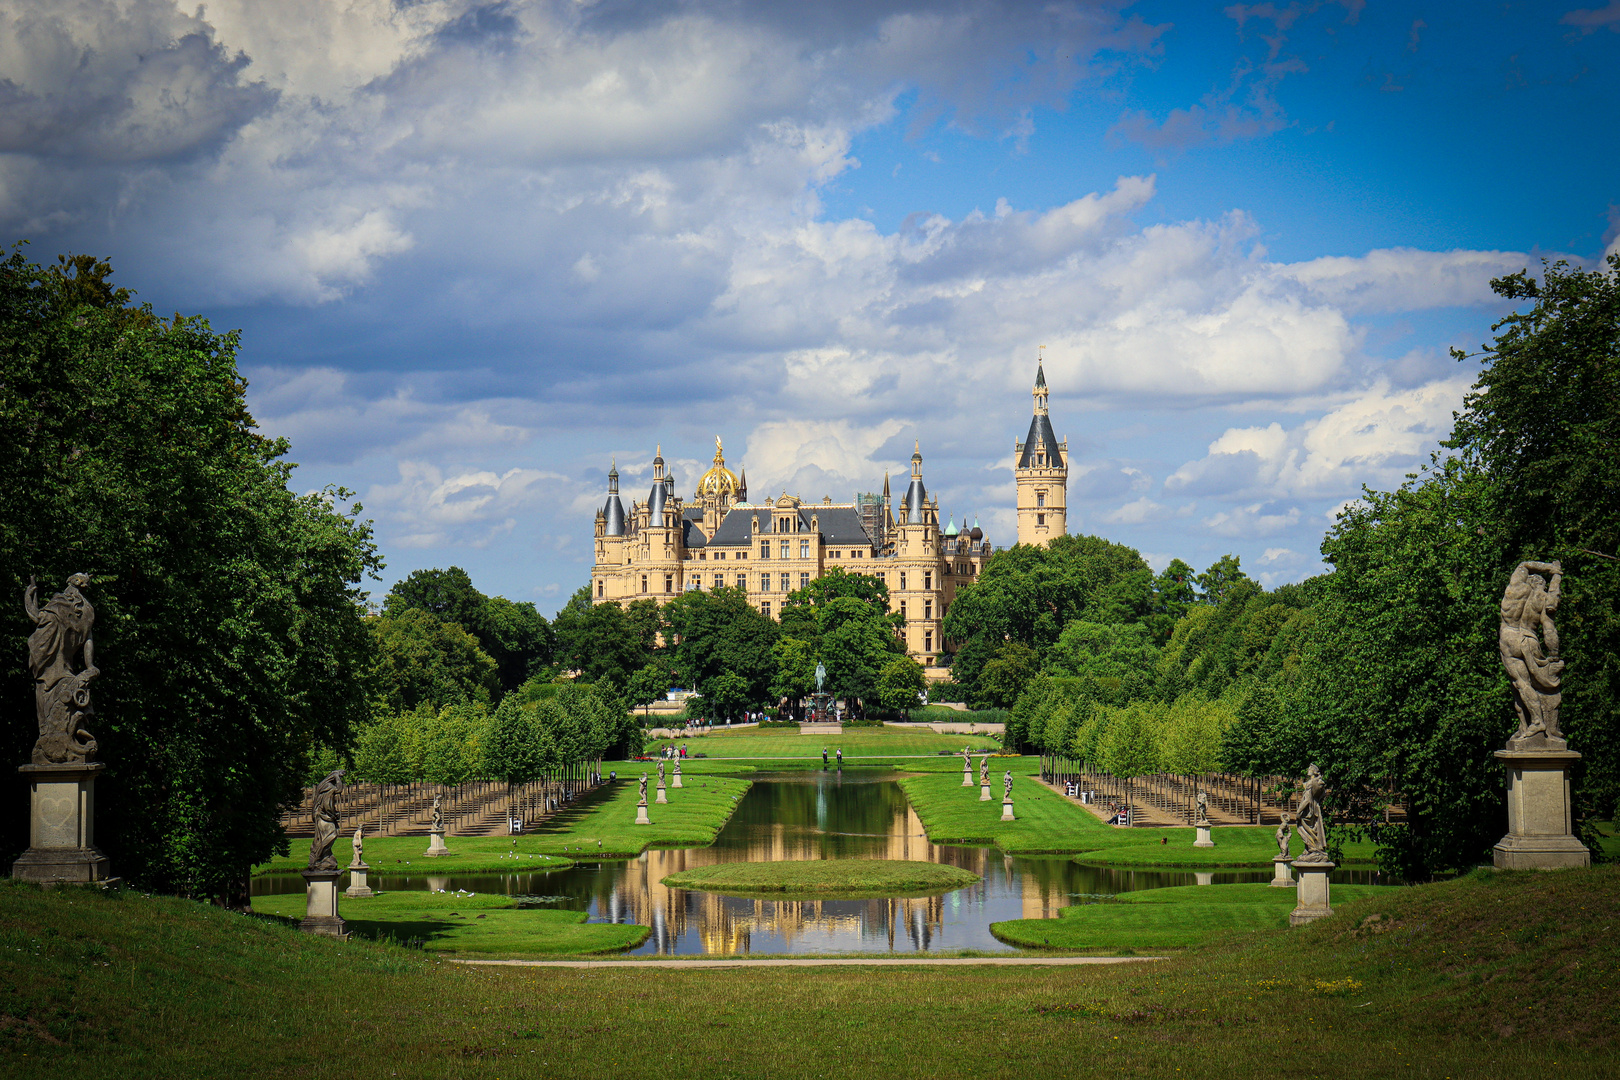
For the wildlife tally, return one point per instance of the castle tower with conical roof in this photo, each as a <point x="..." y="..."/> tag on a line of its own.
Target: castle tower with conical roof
<point x="1041" y="474"/>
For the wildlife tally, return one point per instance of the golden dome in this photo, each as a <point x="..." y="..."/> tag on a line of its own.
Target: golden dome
<point x="719" y="480"/>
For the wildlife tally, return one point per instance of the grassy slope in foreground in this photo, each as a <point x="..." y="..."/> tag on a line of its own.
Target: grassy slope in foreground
<point x="693" y="817"/>
<point x="1500" y="976"/>
<point x="826" y="877"/>
<point x="463" y="924"/>
<point x="1165" y="918"/>
<point x="1049" y="823"/>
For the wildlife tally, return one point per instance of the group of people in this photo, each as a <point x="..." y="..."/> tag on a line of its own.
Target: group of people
<point x="840" y="752"/>
<point x="673" y="751"/>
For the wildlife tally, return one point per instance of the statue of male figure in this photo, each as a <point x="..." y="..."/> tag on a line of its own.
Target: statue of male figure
<point x="1310" y="818"/>
<point x="62" y="633"/>
<point x="438" y="812"/>
<point x="984" y="771"/>
<point x="1284" y="831"/>
<point x="1203" y="808"/>
<point x="326" y="822"/>
<point x="359" y="846"/>
<point x="1527" y="606"/>
<point x="1006" y="785"/>
<point x="660" y="773"/>
<point x="643" y="789"/>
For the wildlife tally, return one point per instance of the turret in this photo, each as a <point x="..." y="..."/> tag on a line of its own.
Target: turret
<point x="613" y="509"/>
<point x="1041" y="473"/>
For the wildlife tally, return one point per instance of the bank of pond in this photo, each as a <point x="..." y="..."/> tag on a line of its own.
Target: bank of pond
<point x="810" y="861"/>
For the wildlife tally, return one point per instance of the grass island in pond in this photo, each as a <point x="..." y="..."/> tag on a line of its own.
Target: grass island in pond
<point x="829" y="878"/>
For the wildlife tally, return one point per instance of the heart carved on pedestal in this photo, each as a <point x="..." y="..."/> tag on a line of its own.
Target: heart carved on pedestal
<point x="56" y="812"/>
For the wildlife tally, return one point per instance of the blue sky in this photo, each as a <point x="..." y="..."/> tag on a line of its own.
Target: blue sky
<point x="479" y="250"/>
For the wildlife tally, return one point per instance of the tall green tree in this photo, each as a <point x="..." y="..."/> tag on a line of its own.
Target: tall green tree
<point x="601" y="641"/>
<point x="720" y="632"/>
<point x="229" y="627"/>
<point x="422" y="659"/>
<point x="900" y="684"/>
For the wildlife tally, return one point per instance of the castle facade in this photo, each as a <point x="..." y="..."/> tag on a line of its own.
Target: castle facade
<point x="663" y="546"/>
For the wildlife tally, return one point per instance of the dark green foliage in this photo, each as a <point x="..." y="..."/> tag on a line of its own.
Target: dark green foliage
<point x="900" y="684"/>
<point x="424" y="660"/>
<point x="514" y="635"/>
<point x="604" y="640"/>
<point x="229" y="617"/>
<point x="719" y="632"/>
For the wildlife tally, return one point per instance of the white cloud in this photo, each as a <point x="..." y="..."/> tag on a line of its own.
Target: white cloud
<point x="427" y="508"/>
<point x="1376" y="438"/>
<point x="1250" y="522"/>
<point x="1403" y="279"/>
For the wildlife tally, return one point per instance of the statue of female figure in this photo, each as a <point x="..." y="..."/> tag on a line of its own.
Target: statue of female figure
<point x="1006" y="785"/>
<point x="984" y="772"/>
<point x="660" y="774"/>
<point x="1312" y="823"/>
<point x="359" y="846"/>
<point x="438" y="812"/>
<point x="61" y="695"/>
<point x="326" y="822"/>
<point x="1203" y="809"/>
<point x="643" y="789"/>
<point x="1284" y="831"/>
<point x="1527" y="607"/>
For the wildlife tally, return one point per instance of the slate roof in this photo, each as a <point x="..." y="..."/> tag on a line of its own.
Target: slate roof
<point x="1040" y="431"/>
<point x="838" y="524"/>
<point x="614" y="512"/>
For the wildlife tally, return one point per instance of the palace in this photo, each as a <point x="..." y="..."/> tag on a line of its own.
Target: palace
<point x="663" y="546"/>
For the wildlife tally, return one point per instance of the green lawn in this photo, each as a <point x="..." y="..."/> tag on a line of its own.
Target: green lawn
<point x="1501" y="976"/>
<point x="1046" y="822"/>
<point x="862" y="746"/>
<point x="465" y="924"/>
<point x="1049" y="823"/>
<point x="826" y="877"/>
<point x="1166" y="918"/>
<point x="604" y="827"/>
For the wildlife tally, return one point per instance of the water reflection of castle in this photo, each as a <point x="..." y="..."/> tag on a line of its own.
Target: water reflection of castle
<point x="727" y="925"/>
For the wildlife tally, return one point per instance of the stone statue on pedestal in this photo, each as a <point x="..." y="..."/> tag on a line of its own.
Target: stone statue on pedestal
<point x="1528" y="604"/>
<point x="326" y="823"/>
<point x="1006" y="785"/>
<point x="61" y="637"/>
<point x="438" y="813"/>
<point x="643" y="795"/>
<point x="1284" y="831"/>
<point x="984" y="772"/>
<point x="1311" y="821"/>
<point x="660" y="774"/>
<point x="1203" y="809"/>
<point x="359" y="845"/>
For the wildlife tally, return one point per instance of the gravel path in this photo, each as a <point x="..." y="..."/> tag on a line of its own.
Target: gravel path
<point x="809" y="961"/>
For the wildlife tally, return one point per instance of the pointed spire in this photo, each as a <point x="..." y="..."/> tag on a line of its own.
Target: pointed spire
<point x="742" y="485"/>
<point x="613" y="477"/>
<point x="885" y="485"/>
<point x="1040" y="389"/>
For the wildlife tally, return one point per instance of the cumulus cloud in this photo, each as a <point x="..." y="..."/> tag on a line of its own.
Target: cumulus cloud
<point x="1253" y="521"/>
<point x="427" y="508"/>
<point x="1375" y="438"/>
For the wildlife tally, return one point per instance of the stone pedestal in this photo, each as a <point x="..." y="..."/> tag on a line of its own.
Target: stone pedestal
<point x="321" y="912"/>
<point x="676" y="782"/>
<point x="1204" y="877"/>
<point x="661" y="796"/>
<point x="641" y="814"/>
<point x="61" y="826"/>
<point x="1281" y="876"/>
<point x="984" y="793"/>
<point x="1540" y="835"/>
<point x="436" y="844"/>
<point x="358" y="889"/>
<point x="1203" y="837"/>
<point x="967" y="776"/>
<point x="1006" y="810"/>
<point x="1313" y="893"/>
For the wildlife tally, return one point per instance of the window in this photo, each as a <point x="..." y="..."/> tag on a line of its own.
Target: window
<point x="703" y="555"/>
<point x="669" y="582"/>
<point x="765" y="608"/>
<point x="804" y="549"/>
<point x="834" y="554"/>
<point x="644" y="583"/>
<point x="719" y="581"/>
<point x="1040" y="498"/>
<point x="600" y="585"/>
<point x="928" y="609"/>
<point x="742" y="582"/>
<point x="804" y="581"/>
<point x="719" y="554"/>
<point x="784" y="549"/>
<point x="902" y="581"/>
<point x="928" y="579"/>
<point x="1040" y="519"/>
<point x="928" y="641"/>
<point x="764" y="549"/>
<point x="742" y="553"/>
<point x="902" y="609"/>
<point x="883" y="576"/>
<point x="787" y="583"/>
